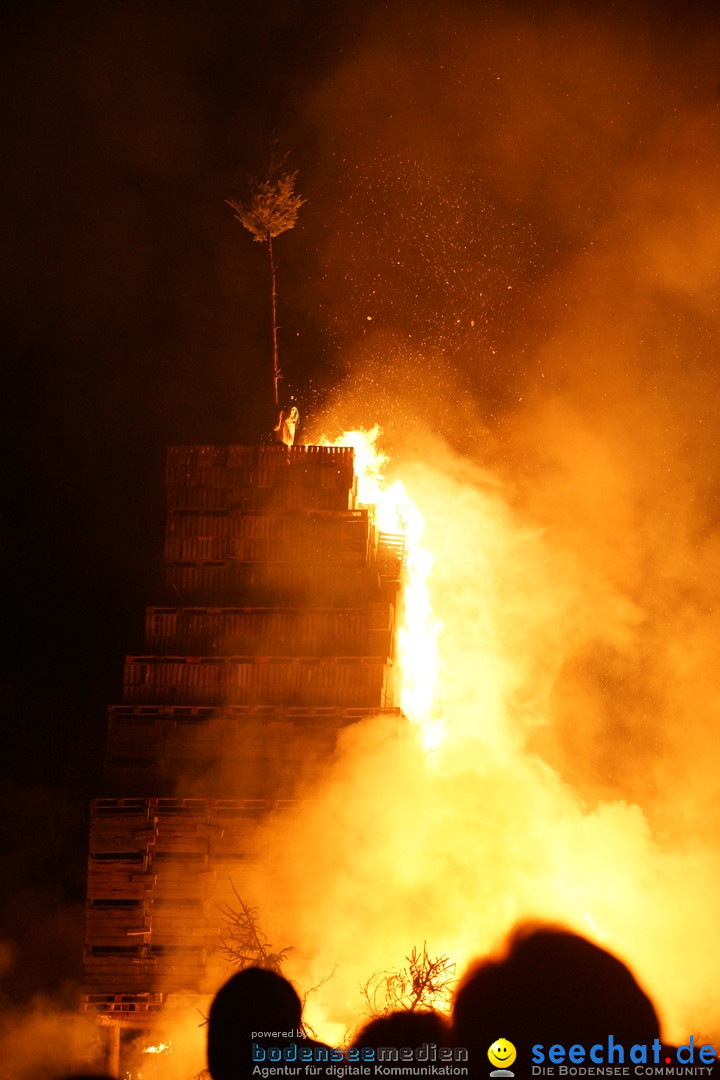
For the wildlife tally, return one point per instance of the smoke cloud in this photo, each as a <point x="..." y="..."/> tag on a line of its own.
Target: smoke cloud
<point x="522" y="278"/>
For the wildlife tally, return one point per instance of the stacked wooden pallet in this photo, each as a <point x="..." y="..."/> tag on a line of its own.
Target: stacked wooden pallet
<point x="277" y="632"/>
<point x="259" y="631"/>
<point x="260" y="477"/>
<point x="316" y="537"/>
<point x="362" y="681"/>
<point x="237" y="750"/>
<point x="153" y="918"/>
<point x="231" y="581"/>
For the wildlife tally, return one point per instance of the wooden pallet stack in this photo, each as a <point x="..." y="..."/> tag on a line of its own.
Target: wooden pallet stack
<point x="152" y="917"/>
<point x="276" y="631"/>
<point x="234" y="631"/>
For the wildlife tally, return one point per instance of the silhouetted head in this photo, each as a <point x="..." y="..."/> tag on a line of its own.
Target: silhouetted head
<point x="256" y="1001"/>
<point x="551" y="986"/>
<point x="405" y="1029"/>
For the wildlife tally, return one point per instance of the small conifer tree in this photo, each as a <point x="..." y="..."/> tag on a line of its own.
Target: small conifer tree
<point x="243" y="941"/>
<point x="270" y="208"/>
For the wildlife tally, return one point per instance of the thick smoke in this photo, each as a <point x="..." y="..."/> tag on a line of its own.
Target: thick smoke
<point x="561" y="444"/>
<point x="514" y="816"/>
<point x="42" y="1041"/>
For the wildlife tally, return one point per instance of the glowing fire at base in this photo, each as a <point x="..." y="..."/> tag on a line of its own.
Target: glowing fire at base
<point x="501" y="828"/>
<point x="395" y="512"/>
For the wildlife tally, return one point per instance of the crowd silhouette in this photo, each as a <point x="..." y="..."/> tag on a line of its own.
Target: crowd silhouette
<point x="552" y="994"/>
<point x="548" y="988"/>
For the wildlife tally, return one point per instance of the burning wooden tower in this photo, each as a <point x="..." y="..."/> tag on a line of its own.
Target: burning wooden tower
<point x="277" y="631"/>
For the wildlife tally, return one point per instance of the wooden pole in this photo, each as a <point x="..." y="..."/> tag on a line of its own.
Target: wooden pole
<point x="276" y="366"/>
<point x="114" y="1051"/>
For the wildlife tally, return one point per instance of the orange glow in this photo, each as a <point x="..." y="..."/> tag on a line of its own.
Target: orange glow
<point x="485" y="831"/>
<point x="161" y="1048"/>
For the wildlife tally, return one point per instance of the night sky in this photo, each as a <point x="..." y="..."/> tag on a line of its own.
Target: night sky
<point x="134" y="311"/>
<point x="135" y="308"/>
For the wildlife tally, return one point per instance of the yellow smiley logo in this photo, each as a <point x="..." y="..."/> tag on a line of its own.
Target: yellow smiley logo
<point x="502" y="1053"/>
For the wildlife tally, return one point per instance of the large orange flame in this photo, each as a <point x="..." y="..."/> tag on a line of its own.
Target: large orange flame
<point x="490" y="833"/>
<point x="395" y="512"/>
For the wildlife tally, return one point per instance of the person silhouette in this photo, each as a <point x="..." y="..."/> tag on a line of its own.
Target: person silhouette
<point x="550" y="986"/>
<point x="284" y="430"/>
<point x="254" y="1006"/>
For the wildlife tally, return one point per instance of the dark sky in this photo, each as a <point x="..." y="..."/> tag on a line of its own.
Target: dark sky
<point x="452" y="158"/>
<point x="134" y="311"/>
<point x="134" y="315"/>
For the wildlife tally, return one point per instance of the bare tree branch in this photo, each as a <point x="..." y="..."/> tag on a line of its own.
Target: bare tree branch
<point x="424" y="984"/>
